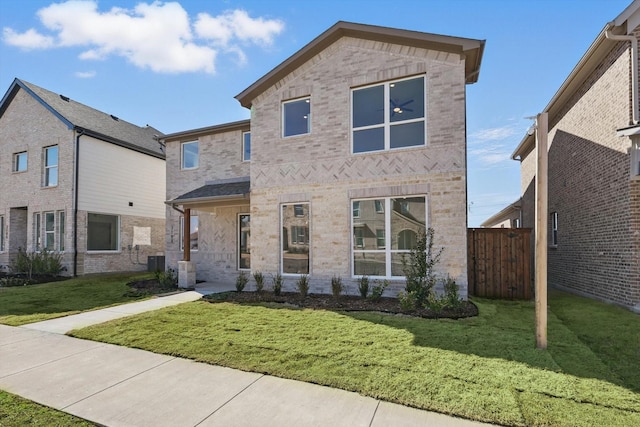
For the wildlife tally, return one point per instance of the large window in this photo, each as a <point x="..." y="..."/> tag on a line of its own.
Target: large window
<point x="193" y="232"/>
<point x="103" y="232"/>
<point x="20" y="162"/>
<point x="381" y="237"/>
<point x="51" y="166"/>
<point x="246" y="146"/>
<point x="295" y="239"/>
<point x="244" y="241"/>
<point x="389" y="115"/>
<point x="189" y="155"/>
<point x="296" y="117"/>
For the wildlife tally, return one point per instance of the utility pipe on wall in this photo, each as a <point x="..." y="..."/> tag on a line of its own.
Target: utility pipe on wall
<point x="634" y="68"/>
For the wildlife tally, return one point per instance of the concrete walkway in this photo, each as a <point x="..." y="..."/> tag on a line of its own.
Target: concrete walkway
<point x="120" y="386"/>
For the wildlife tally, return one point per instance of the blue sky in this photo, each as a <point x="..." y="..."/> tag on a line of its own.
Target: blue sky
<point x="178" y="65"/>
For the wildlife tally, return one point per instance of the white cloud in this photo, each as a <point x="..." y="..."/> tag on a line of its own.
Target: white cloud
<point x="157" y="36"/>
<point x="28" y="40"/>
<point x="85" y="74"/>
<point x="493" y="134"/>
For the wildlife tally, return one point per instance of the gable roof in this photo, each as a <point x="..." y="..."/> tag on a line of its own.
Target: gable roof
<point x="472" y="50"/>
<point x="92" y="122"/>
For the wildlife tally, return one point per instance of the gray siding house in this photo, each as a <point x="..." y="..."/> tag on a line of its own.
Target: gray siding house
<point x="78" y="181"/>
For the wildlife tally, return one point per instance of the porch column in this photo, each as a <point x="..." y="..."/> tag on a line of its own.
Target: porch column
<point x="186" y="268"/>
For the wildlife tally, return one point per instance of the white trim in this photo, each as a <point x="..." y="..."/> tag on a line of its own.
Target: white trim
<point x="282" y="114"/>
<point x="281" y="269"/>
<point x="243" y="146"/>
<point x="182" y="145"/>
<point x="238" y="231"/>
<point x="118" y="236"/>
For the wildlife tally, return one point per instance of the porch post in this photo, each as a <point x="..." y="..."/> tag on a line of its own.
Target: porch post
<point x="186" y="268"/>
<point x="186" y="235"/>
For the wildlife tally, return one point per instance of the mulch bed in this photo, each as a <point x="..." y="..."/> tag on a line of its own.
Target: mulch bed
<point x="343" y="303"/>
<point x="10" y="279"/>
<point x="150" y="287"/>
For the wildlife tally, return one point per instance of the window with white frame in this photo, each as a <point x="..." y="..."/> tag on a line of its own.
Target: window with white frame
<point x="554" y="229"/>
<point x="37" y="231"/>
<point x="1" y="233"/>
<point x="19" y="162"/>
<point x="51" y="166"/>
<point x="48" y="231"/>
<point x="193" y="232"/>
<point x="381" y="237"/>
<point x="244" y="241"/>
<point x="103" y="232"/>
<point x="61" y="231"/>
<point x="295" y="238"/>
<point x="296" y="117"/>
<point x="189" y="155"/>
<point x="389" y="115"/>
<point x="246" y="146"/>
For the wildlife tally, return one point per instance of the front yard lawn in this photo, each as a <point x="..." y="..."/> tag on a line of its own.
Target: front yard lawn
<point x="484" y="368"/>
<point x="34" y="303"/>
<point x="18" y="412"/>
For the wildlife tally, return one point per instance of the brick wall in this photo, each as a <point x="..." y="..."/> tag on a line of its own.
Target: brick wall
<point x="589" y="188"/>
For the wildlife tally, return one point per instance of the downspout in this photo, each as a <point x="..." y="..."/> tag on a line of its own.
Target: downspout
<point x="634" y="68"/>
<point x="76" y="179"/>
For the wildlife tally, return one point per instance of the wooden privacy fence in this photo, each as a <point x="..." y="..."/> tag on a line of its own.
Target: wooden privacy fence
<point x="499" y="262"/>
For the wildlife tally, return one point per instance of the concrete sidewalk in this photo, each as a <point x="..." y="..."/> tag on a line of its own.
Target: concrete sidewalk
<point x="119" y="386"/>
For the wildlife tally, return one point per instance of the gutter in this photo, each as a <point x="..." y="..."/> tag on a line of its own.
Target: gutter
<point x="634" y="68"/>
<point x="76" y="180"/>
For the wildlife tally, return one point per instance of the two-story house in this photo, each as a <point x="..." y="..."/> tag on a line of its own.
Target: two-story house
<point x="79" y="182"/>
<point x="356" y="144"/>
<point x="594" y="170"/>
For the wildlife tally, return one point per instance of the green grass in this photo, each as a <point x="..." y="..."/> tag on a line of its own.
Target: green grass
<point x="29" y="304"/>
<point x="18" y="412"/>
<point x="483" y="368"/>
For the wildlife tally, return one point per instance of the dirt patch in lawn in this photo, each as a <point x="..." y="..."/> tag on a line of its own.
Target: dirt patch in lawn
<point x="342" y="303"/>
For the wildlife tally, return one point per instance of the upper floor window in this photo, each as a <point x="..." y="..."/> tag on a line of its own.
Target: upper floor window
<point x="51" y="166"/>
<point x="635" y="158"/>
<point x="389" y="115"/>
<point x="20" y="162"/>
<point x="296" y="117"/>
<point x="189" y="155"/>
<point x="246" y="146"/>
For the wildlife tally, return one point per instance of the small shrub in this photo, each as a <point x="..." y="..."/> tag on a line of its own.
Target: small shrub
<point x="303" y="285"/>
<point x="241" y="281"/>
<point x="451" y="296"/>
<point x="408" y="301"/>
<point x="336" y="286"/>
<point x="43" y="263"/>
<point x="259" y="278"/>
<point x="11" y="281"/>
<point x="277" y="284"/>
<point x="363" y="286"/>
<point x="167" y="279"/>
<point x="419" y="267"/>
<point x="378" y="290"/>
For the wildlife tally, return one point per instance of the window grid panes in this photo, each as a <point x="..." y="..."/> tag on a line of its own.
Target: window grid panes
<point x="49" y="230"/>
<point x="103" y="232"/>
<point x="20" y="162"/>
<point x="381" y="237"/>
<point x="61" y="225"/>
<point x="246" y="146"/>
<point x="389" y="115"/>
<point x="296" y="117"/>
<point x="554" y="229"/>
<point x="295" y="238"/>
<point x="51" y="166"/>
<point x="189" y="155"/>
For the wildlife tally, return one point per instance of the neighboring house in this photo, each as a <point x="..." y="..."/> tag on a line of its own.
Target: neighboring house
<point x="594" y="170"/>
<point x="357" y="144"/>
<point x="509" y="217"/>
<point x="79" y="182"/>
